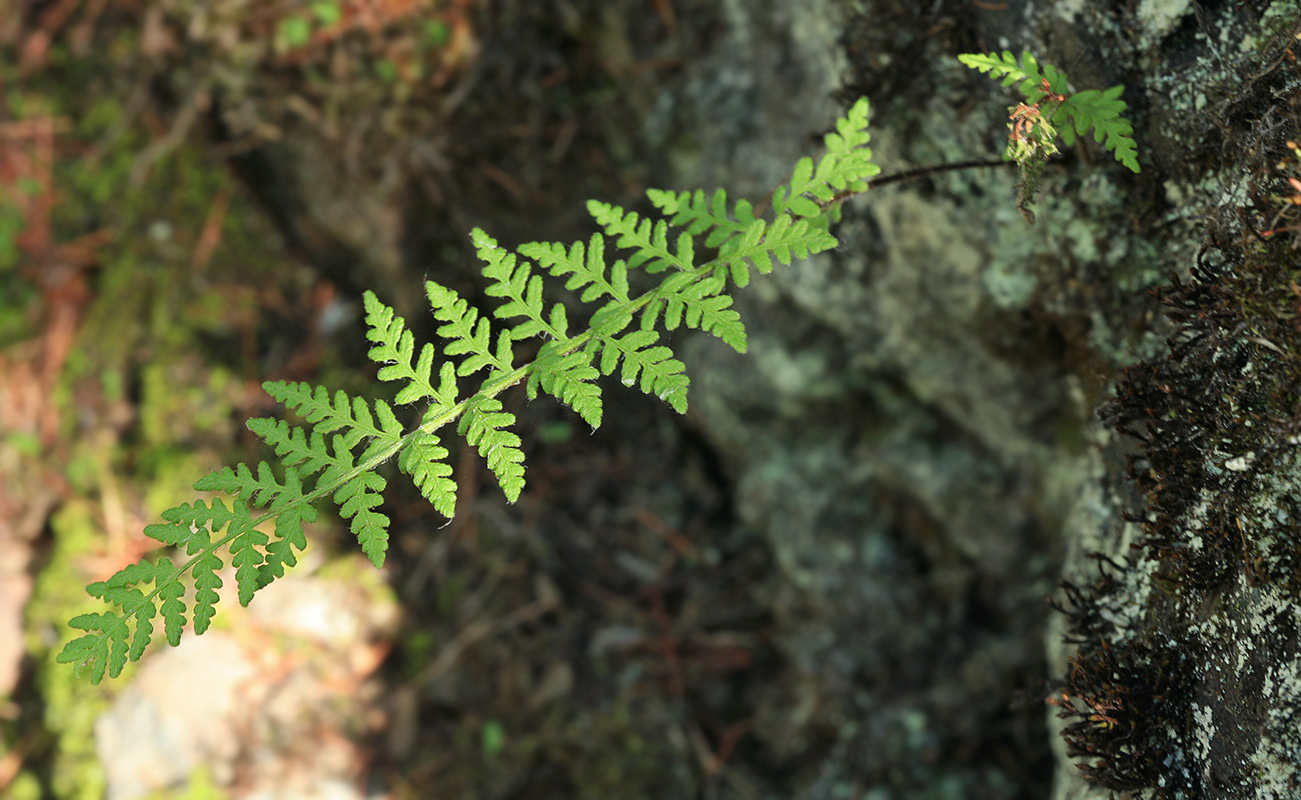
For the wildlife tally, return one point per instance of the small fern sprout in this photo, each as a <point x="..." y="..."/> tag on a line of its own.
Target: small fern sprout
<point x="1051" y="109"/>
<point x="337" y="446"/>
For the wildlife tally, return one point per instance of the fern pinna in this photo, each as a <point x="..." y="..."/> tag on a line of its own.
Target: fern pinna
<point x="336" y="454"/>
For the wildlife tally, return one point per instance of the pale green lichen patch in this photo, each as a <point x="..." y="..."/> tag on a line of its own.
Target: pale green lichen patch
<point x="1159" y="17"/>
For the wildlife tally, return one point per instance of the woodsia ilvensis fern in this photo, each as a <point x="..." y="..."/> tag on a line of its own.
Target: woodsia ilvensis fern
<point x="1050" y="110"/>
<point x="336" y="454"/>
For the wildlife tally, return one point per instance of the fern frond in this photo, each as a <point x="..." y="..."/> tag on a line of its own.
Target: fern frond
<point x="246" y="557"/>
<point x="103" y="647"/>
<point x="563" y="372"/>
<point x="844" y="168"/>
<point x="699" y="214"/>
<point x="1099" y="111"/>
<point x="336" y="451"/>
<point x="290" y="509"/>
<point x="192" y="528"/>
<point x="357" y="498"/>
<point x="785" y="239"/>
<point x="699" y="304"/>
<point x="172" y="592"/>
<point x="511" y="278"/>
<point x="569" y="377"/>
<point x="661" y="375"/>
<point x="121" y="590"/>
<point x="352" y="414"/>
<point x="356" y="487"/>
<point x="292" y="445"/>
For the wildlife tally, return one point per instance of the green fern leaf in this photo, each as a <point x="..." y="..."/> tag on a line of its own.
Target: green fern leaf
<point x="1026" y="74"/>
<point x="423" y="458"/>
<point x="482" y="425"/>
<point x="357" y="499"/>
<point x="186" y="528"/>
<point x="699" y="214"/>
<point x="710" y="312"/>
<point x="568" y="377"/>
<point x="1084" y="111"/>
<point x="246" y="556"/>
<point x="292" y="445"/>
<point x="323" y="451"/>
<point x="246" y="542"/>
<point x="843" y="169"/>
<point x="172" y="592"/>
<point x="292" y="511"/>
<point x="467" y="333"/>
<point x="1005" y="67"/>
<point x="355" y="488"/>
<point x="353" y="415"/>
<point x="699" y="304"/>
<point x="395" y="348"/>
<point x="851" y="133"/>
<point x="648" y="239"/>
<point x="786" y="238"/>
<point x="1101" y="111"/>
<point x="287" y="504"/>
<point x="121" y="590"/>
<point x="661" y="375"/>
<point x="206" y="584"/>
<point x="585" y="267"/>
<point x="144" y="632"/>
<point x="512" y="279"/>
<point x="613" y="318"/>
<point x="102" y="649"/>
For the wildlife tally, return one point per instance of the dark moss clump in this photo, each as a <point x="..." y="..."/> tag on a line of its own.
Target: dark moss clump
<point x="1120" y="699"/>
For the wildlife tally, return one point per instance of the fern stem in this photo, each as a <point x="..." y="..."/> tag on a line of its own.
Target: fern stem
<point x="922" y="172"/>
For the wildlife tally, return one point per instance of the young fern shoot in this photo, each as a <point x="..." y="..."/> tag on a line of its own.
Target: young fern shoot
<point x="1050" y="110"/>
<point x="337" y="451"/>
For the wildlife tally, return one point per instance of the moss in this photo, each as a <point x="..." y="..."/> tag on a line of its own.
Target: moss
<point x="71" y="704"/>
<point x="156" y="320"/>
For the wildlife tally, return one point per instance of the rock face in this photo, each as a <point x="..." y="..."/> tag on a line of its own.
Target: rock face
<point x="913" y="432"/>
<point x="1185" y="679"/>
<point x="913" y="428"/>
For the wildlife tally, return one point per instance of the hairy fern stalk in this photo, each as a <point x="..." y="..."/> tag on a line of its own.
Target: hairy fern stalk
<point x="336" y="454"/>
